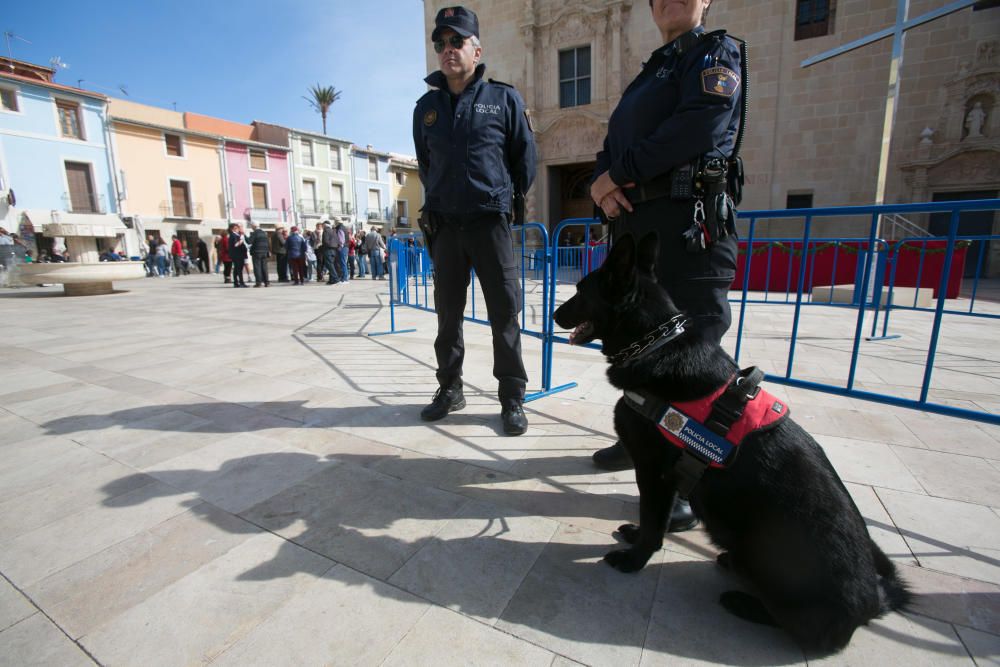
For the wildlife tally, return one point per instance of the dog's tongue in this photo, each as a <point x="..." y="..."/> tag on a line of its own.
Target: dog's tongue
<point x="576" y="331"/>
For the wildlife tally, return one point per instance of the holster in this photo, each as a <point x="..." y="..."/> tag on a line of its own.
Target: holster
<point x="428" y="227"/>
<point x="519" y="214"/>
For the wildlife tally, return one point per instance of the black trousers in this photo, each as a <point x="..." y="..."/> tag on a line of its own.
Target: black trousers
<point x="238" y="272"/>
<point x="698" y="283"/>
<point x="484" y="243"/>
<point x="227" y="269"/>
<point x="282" y="268"/>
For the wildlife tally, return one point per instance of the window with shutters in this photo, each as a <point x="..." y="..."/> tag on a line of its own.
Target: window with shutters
<point x="373" y="169"/>
<point x="309" y="196"/>
<point x="259" y="191"/>
<point x="81" y="188"/>
<point x="400" y="178"/>
<point x="174" y="146"/>
<point x="258" y="159"/>
<point x="337" y="199"/>
<point x="307" y="153"/>
<point x="335" y="157"/>
<point x="813" y="18"/>
<point x="70" y="124"/>
<point x="8" y="99"/>
<point x="374" y="204"/>
<point x="574" y="77"/>
<point x="180" y="199"/>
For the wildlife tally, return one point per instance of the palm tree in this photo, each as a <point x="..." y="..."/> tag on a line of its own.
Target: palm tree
<point x="322" y="98"/>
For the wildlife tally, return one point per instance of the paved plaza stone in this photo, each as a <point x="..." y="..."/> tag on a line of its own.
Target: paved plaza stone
<point x="194" y="474"/>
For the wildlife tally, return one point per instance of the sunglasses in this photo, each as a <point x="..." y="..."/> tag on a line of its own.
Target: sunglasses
<point x="456" y="41"/>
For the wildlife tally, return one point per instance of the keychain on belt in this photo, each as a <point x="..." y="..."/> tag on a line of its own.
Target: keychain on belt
<point x="697" y="237"/>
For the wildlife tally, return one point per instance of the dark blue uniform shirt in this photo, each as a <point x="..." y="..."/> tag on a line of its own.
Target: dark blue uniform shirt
<point x="476" y="150"/>
<point x="680" y="106"/>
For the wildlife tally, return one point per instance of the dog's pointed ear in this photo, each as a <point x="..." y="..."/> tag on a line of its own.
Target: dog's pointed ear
<point x="621" y="262"/>
<point x="647" y="252"/>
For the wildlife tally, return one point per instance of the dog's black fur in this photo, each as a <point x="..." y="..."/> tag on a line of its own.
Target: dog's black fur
<point x="780" y="512"/>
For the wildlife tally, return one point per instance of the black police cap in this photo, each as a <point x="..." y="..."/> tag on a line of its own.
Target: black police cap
<point x="461" y="20"/>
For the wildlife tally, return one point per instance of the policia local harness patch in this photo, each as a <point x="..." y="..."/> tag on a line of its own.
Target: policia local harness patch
<point x="720" y="81"/>
<point x="709" y="430"/>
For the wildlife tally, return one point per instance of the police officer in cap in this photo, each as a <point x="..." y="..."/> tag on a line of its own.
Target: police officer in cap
<point x="476" y="154"/>
<point x="669" y="166"/>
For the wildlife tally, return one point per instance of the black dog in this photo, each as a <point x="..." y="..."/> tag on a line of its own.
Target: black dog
<point x="778" y="509"/>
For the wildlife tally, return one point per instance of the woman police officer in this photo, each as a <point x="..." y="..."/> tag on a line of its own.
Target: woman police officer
<point x="671" y="142"/>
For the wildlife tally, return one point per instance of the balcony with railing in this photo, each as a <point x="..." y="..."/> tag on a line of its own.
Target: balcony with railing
<point x="85" y="204"/>
<point x="183" y="210"/>
<point x="382" y="214"/>
<point x="318" y="208"/>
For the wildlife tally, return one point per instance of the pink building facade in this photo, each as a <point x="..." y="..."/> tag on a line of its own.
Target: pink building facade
<point x="256" y="173"/>
<point x="259" y="182"/>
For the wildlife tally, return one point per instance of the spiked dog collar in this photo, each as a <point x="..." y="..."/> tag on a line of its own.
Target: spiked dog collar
<point x="652" y="341"/>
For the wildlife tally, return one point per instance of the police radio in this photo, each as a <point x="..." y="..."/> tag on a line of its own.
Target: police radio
<point x="682" y="181"/>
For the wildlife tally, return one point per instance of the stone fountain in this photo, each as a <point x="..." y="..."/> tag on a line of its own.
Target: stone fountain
<point x="86" y="275"/>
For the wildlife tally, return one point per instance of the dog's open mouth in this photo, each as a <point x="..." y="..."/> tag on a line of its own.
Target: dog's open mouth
<point x="582" y="334"/>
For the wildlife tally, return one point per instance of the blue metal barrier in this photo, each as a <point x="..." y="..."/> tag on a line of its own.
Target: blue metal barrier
<point x="412" y="272"/>
<point x="876" y="273"/>
<point x="873" y="281"/>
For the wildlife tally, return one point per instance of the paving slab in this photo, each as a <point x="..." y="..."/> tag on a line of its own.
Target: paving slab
<point x="95" y="590"/>
<point x="14" y="607"/>
<point x="948" y="535"/>
<point x="574" y="604"/>
<point x="688" y="626"/>
<point x="984" y="648"/>
<point x="343" y="617"/>
<point x="203" y="614"/>
<point x="358" y="517"/>
<point x="275" y="499"/>
<point x="442" y="637"/>
<point x="37" y="641"/>
<point x="476" y="562"/>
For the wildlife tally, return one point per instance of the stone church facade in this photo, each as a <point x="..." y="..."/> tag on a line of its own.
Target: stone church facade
<point x="813" y="135"/>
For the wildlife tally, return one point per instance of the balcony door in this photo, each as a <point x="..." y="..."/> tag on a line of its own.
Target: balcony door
<point x="259" y="195"/>
<point x="81" y="188"/>
<point x="309" y="196"/>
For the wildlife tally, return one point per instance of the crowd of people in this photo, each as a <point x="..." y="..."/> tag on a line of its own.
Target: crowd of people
<point x="331" y="252"/>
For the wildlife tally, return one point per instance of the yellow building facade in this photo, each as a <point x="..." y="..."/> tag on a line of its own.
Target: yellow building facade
<point x="407" y="191"/>
<point x="171" y="177"/>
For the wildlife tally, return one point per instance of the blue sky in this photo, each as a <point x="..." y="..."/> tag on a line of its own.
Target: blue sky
<point x="243" y="61"/>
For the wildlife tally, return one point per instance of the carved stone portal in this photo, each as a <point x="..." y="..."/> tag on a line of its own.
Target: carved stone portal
<point x="571" y="138"/>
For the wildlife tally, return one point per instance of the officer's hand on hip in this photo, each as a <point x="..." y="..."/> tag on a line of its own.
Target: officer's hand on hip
<point x="604" y="186"/>
<point x="613" y="204"/>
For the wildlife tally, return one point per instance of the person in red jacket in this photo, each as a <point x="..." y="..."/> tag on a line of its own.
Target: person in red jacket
<point x="227" y="261"/>
<point x="176" y="252"/>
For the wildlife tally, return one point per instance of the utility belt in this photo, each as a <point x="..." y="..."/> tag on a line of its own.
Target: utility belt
<point x="714" y="185"/>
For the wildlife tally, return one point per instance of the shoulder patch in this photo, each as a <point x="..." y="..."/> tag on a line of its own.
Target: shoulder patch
<point x="430" y="117"/>
<point x="720" y="81"/>
<point x="527" y="117"/>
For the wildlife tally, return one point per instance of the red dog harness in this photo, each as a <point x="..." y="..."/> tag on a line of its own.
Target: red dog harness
<point x="710" y="429"/>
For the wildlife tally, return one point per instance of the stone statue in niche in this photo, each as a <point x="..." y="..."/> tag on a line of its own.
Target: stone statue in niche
<point x="974" y="121"/>
<point x="985" y="53"/>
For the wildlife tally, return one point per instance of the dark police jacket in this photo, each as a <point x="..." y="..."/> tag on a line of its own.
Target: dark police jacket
<point x="681" y="106"/>
<point x="238" y="253"/>
<point x="475" y="157"/>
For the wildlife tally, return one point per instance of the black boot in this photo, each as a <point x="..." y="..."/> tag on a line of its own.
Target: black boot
<point x="514" y="420"/>
<point x="447" y="399"/>
<point x="614" y="457"/>
<point x="681" y="517"/>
